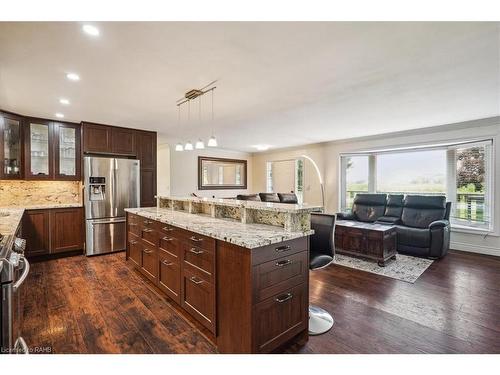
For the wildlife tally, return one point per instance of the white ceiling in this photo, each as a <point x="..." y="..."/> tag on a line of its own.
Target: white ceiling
<point x="282" y="84"/>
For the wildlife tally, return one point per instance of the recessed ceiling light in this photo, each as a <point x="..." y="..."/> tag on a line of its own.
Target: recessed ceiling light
<point x="73" y="76"/>
<point x="59" y="115"/>
<point x="91" y="30"/>
<point x="64" y="101"/>
<point x="262" y="147"/>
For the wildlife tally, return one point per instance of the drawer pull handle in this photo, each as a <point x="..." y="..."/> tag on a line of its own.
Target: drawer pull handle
<point x="195" y="280"/>
<point x="147" y="230"/>
<point x="195" y="251"/>
<point x="284" y="297"/>
<point x="167" y="263"/>
<point x="147" y="251"/>
<point x="167" y="229"/>
<point x="147" y="222"/>
<point x="283" y="263"/>
<point x="167" y="238"/>
<point x="132" y="224"/>
<point x="133" y="242"/>
<point x="280" y="249"/>
<point x="193" y="238"/>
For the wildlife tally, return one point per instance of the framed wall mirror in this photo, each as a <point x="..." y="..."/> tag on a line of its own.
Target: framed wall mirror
<point x="220" y="173"/>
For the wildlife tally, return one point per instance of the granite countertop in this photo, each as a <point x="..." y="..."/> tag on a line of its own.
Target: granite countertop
<point x="47" y="206"/>
<point x="245" y="235"/>
<point x="10" y="219"/>
<point x="264" y="206"/>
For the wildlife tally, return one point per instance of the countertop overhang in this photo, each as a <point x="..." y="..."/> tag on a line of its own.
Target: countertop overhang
<point x="245" y="235"/>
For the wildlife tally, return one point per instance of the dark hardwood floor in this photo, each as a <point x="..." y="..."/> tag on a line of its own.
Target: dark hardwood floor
<point x="101" y="305"/>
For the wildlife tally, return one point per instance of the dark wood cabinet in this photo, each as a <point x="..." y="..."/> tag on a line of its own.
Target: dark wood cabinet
<point x="251" y="300"/>
<point x="66" y="226"/>
<point x="96" y="138"/>
<point x="36" y="231"/>
<point x="118" y="141"/>
<point x="146" y="149"/>
<point x="169" y="275"/>
<point x="67" y="151"/>
<point x="123" y="141"/>
<point x="52" y="150"/>
<point x="148" y="187"/>
<point x="11" y="146"/>
<point x="52" y="231"/>
<point x="146" y="153"/>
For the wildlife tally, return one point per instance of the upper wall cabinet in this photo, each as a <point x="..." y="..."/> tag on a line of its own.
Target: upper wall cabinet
<point x="105" y="139"/>
<point x="11" y="146"/>
<point x="96" y="138"/>
<point x="52" y="150"/>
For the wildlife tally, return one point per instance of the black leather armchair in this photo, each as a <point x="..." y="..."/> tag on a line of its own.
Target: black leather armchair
<point x="425" y="228"/>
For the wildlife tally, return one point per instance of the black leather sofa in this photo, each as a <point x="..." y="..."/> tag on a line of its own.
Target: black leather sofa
<point x="422" y="222"/>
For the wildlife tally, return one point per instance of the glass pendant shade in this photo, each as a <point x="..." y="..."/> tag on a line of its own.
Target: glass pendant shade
<point x="179" y="147"/>
<point x="188" y="146"/>
<point x="200" y="145"/>
<point x="212" y="142"/>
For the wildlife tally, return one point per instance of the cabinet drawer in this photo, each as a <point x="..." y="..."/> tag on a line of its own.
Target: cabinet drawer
<point x="280" y="318"/>
<point x="271" y="252"/>
<point x="201" y="259"/>
<point x="198" y="297"/>
<point x="135" y="250"/>
<point x="150" y="236"/>
<point x="169" y="276"/>
<point x="167" y="229"/>
<point x="149" y="262"/>
<point x="200" y="241"/>
<point x="280" y="274"/>
<point x="133" y="224"/>
<point x="170" y="245"/>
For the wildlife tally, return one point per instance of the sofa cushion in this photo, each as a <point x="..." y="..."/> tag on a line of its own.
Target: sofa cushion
<point x="269" y="197"/>
<point x="394" y="206"/>
<point x="368" y="207"/>
<point x="248" y="197"/>
<point x="419" y="210"/>
<point x="414" y="237"/>
<point x="288" y="198"/>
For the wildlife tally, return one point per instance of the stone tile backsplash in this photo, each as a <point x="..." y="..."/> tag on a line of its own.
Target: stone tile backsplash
<point x="29" y="193"/>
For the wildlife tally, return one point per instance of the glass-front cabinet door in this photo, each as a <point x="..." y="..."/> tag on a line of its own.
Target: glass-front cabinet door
<point x="39" y="150"/>
<point x="67" y="151"/>
<point x="11" y="146"/>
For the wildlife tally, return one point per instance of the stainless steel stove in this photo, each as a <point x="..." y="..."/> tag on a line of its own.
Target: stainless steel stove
<point x="14" y="269"/>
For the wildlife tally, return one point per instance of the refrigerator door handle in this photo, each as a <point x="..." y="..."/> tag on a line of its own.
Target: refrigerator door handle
<point x="108" y="221"/>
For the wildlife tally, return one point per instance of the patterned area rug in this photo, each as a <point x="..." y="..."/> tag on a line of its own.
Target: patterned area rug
<point x="404" y="267"/>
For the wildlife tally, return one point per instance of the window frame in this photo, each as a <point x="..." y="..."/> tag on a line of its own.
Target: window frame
<point x="450" y="188"/>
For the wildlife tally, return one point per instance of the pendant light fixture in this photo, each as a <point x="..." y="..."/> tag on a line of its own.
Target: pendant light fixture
<point x="189" y="146"/>
<point x="199" y="145"/>
<point x="212" y="142"/>
<point x="178" y="146"/>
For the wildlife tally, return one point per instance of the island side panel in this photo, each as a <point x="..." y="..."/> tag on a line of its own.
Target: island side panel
<point x="234" y="298"/>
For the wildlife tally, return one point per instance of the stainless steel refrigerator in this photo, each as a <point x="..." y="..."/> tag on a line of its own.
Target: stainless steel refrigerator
<point x="110" y="186"/>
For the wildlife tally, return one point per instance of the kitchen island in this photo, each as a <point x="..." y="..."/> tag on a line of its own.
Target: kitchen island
<point x="246" y="283"/>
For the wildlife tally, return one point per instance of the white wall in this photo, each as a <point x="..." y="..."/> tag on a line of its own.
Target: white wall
<point x="163" y="169"/>
<point x="327" y="156"/>
<point x="184" y="172"/>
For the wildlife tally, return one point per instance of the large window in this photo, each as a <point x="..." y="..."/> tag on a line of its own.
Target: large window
<point x="460" y="171"/>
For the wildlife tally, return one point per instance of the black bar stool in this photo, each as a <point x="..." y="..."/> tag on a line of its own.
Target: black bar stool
<point x="322" y="254"/>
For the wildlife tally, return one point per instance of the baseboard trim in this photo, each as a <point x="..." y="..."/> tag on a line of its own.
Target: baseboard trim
<point x="487" y="250"/>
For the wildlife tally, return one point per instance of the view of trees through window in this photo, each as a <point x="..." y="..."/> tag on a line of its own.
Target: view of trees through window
<point x="460" y="173"/>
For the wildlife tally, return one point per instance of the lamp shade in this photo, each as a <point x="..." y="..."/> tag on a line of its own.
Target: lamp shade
<point x="199" y="145"/>
<point x="188" y="146"/>
<point x="212" y="142"/>
<point x="179" y="147"/>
